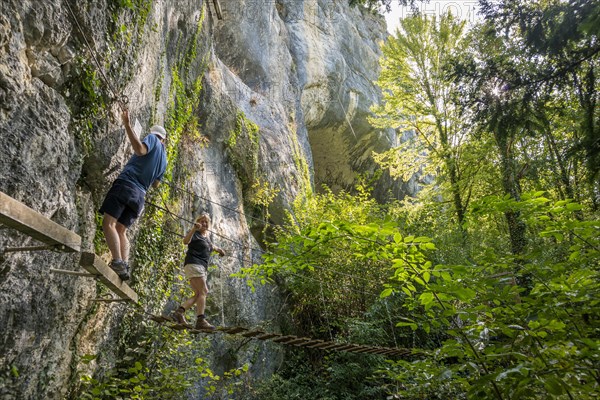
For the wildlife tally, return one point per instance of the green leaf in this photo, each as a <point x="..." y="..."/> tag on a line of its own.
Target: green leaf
<point x="575" y="256"/>
<point x="554" y="386"/>
<point x="412" y="325"/>
<point x="426" y="276"/>
<point x="465" y="294"/>
<point x="398" y="238"/>
<point x="426" y="298"/>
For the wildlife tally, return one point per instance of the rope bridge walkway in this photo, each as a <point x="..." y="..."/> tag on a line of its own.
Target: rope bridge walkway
<point x="17" y="215"/>
<point x="288" y="340"/>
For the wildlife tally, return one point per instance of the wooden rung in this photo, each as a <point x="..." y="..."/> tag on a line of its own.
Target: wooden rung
<point x="250" y="334"/>
<point x="19" y="216"/>
<point x="393" y="354"/>
<point x="380" y="351"/>
<point x="298" y="342"/>
<point x="194" y="330"/>
<point x="284" y="339"/>
<point x="160" y="318"/>
<point x="311" y="343"/>
<point x="95" y="265"/>
<point x="322" y="345"/>
<point x="370" y="350"/>
<point x="346" y="347"/>
<point x="329" y="345"/>
<point x="68" y="272"/>
<point x="179" y="327"/>
<point x="356" y="349"/>
<point x="33" y="248"/>
<point x="335" y="347"/>
<point x="101" y="300"/>
<point x="232" y="330"/>
<point x="267" y="336"/>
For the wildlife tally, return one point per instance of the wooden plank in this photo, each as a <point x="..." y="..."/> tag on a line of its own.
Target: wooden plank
<point x="218" y="9"/>
<point x="346" y="347"/>
<point x="28" y="248"/>
<point x="298" y="342"/>
<point x="320" y="345"/>
<point x="95" y="265"/>
<point x="331" y="346"/>
<point x="24" y="219"/>
<point x="232" y="330"/>
<point x="160" y="318"/>
<point x="355" y="349"/>
<point x="205" y="330"/>
<point x="252" y="333"/>
<point x="179" y="327"/>
<point x="311" y="343"/>
<point x="373" y="349"/>
<point x="284" y="339"/>
<point x="267" y="336"/>
<point x="69" y="272"/>
<point x="363" y="349"/>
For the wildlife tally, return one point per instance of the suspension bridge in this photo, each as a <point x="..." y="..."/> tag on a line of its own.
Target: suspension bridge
<point x="55" y="237"/>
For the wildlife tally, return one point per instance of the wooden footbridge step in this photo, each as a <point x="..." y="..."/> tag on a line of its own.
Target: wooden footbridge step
<point x="288" y="340"/>
<point x="17" y="215"/>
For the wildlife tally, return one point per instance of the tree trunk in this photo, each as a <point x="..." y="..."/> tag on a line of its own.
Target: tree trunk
<point x="511" y="186"/>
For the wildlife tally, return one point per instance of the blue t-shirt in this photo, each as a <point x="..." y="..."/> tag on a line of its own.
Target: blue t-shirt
<point x="142" y="171"/>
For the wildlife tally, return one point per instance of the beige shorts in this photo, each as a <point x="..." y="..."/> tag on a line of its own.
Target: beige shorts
<point x="194" y="271"/>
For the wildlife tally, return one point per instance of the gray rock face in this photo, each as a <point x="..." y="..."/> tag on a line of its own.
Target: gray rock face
<point x="317" y="58"/>
<point x="301" y="72"/>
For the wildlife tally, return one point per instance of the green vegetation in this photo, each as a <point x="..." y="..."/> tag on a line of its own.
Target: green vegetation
<point x="491" y="271"/>
<point x="304" y="181"/>
<point x="162" y="372"/>
<point x="242" y="147"/>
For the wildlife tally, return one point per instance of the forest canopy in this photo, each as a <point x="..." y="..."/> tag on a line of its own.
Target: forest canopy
<point x="491" y="272"/>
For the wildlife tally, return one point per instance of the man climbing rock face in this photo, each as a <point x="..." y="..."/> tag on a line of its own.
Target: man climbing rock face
<point x="124" y="201"/>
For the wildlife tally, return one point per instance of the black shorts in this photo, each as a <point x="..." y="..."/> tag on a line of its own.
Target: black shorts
<point x="124" y="202"/>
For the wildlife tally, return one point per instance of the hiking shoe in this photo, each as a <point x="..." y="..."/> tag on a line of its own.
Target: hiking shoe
<point x="202" y="323"/>
<point x="127" y="274"/>
<point x="179" y="316"/>
<point x="121" y="268"/>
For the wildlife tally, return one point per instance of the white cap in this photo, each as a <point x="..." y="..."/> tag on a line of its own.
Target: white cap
<point x="159" y="131"/>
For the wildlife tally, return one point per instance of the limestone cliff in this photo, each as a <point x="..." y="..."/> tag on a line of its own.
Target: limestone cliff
<point x="260" y="106"/>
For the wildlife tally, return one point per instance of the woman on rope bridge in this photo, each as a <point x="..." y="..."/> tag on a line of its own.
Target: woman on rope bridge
<point x="195" y="266"/>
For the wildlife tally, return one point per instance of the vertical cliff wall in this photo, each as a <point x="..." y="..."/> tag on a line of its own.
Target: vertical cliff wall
<point x="260" y="106"/>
